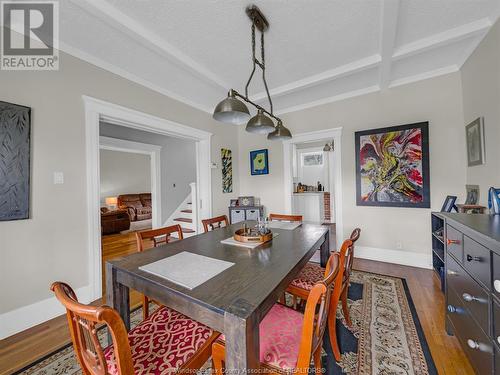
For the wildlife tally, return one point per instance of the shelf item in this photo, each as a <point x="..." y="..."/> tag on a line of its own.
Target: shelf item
<point x="471" y="208"/>
<point x="437" y="234"/>
<point x="242" y="213"/>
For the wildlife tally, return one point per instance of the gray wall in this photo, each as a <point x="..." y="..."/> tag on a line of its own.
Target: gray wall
<point x="178" y="163"/>
<point x="123" y="173"/>
<point x="481" y="97"/>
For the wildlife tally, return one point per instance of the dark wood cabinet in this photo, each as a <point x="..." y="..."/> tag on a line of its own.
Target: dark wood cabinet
<point x="472" y="286"/>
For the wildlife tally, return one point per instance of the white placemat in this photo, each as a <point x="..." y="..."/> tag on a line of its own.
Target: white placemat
<point x="250" y="245"/>
<point x="284" y="225"/>
<point x="187" y="269"/>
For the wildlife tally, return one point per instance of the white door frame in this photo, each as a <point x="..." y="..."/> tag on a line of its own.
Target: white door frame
<point x="154" y="152"/>
<point x="97" y="110"/>
<point x="335" y="162"/>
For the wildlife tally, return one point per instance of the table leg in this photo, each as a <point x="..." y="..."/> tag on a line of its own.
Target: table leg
<point x="117" y="295"/>
<point x="242" y="340"/>
<point x="325" y="249"/>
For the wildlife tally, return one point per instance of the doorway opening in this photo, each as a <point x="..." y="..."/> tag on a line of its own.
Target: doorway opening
<point x="200" y="196"/>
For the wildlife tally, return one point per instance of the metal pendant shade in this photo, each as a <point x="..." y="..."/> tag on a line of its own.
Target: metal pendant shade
<point x="231" y="111"/>
<point x="260" y="124"/>
<point x="280" y="133"/>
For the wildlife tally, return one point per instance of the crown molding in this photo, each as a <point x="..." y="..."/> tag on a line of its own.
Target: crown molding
<point x="388" y="32"/>
<point x="426" y="75"/>
<point x="133" y="29"/>
<point x="323" y="77"/>
<point x="91" y="59"/>
<point x="476" y="28"/>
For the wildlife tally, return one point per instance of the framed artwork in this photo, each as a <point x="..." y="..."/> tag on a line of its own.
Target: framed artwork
<point x="392" y="166"/>
<point x="246" y="201"/>
<point x="449" y="204"/>
<point x="227" y="170"/>
<point x="474" y="134"/>
<point x="312" y="159"/>
<point x="472" y="196"/>
<point x="15" y="150"/>
<point x="259" y="162"/>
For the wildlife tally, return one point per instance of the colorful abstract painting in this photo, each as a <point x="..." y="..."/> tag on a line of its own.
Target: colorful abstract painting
<point x="227" y="170"/>
<point x="259" y="162"/>
<point x="392" y="166"/>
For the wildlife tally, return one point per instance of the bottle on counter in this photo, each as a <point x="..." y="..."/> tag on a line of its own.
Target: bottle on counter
<point x="319" y="186"/>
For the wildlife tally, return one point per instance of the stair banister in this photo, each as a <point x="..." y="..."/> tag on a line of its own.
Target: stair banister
<point x="194" y="206"/>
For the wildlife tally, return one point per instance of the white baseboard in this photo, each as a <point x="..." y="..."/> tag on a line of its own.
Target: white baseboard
<point x="26" y="317"/>
<point x="405" y="258"/>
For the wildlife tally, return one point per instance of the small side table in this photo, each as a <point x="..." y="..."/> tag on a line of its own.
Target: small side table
<point x="470" y="209"/>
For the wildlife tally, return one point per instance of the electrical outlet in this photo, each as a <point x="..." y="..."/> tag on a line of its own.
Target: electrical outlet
<point x="399" y="245"/>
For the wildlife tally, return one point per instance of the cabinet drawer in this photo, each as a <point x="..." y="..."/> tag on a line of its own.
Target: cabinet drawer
<point x="454" y="242"/>
<point x="252" y="214"/>
<point x="475" y="343"/>
<point x="237" y="216"/>
<point x="496" y="275"/>
<point x="496" y="328"/>
<point x="473" y="297"/>
<point x="477" y="260"/>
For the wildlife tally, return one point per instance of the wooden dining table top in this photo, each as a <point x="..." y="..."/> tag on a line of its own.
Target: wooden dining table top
<point x="256" y="272"/>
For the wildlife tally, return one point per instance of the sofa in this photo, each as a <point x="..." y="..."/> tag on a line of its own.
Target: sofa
<point x="114" y="221"/>
<point x="138" y="206"/>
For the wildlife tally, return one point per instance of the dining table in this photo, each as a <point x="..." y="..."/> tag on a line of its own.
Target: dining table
<point x="234" y="301"/>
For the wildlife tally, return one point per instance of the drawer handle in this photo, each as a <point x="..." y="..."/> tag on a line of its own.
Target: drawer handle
<point x="455" y="310"/>
<point x="449" y="241"/>
<point x="478" y="346"/>
<point x="468" y="298"/>
<point x="496" y="284"/>
<point x="470" y="258"/>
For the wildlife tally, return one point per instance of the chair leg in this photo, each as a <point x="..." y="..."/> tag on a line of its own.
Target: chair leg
<point x="345" y="308"/>
<point x="282" y="299"/>
<point x="218" y="357"/>
<point x="145" y="307"/>
<point x="332" y="330"/>
<point x="318" y="366"/>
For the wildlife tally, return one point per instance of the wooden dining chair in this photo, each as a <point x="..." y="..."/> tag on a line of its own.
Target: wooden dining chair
<point x="215" y="223"/>
<point x="288" y="338"/>
<point x="166" y="342"/>
<point x="302" y="285"/>
<point x="347" y="276"/>
<point x="280" y="217"/>
<point x="158" y="236"/>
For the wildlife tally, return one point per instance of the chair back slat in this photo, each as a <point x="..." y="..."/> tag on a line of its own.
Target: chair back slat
<point x="156" y="235"/>
<point x="215" y="223"/>
<point x="280" y="217"/>
<point x="349" y="259"/>
<point x="83" y="321"/>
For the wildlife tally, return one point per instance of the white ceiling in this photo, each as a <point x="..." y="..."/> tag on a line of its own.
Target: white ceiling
<point x="317" y="51"/>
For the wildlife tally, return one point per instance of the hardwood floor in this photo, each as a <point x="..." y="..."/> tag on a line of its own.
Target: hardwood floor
<point x="24" y="348"/>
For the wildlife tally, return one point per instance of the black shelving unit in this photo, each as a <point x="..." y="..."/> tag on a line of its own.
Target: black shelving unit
<point x="437" y="227"/>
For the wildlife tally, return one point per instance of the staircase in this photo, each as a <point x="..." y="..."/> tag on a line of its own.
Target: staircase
<point x="185" y="214"/>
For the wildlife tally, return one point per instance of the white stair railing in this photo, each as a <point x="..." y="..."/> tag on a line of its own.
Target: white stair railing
<point x="194" y="206"/>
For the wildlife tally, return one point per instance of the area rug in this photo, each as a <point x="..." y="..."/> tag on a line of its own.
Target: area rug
<point x="385" y="337"/>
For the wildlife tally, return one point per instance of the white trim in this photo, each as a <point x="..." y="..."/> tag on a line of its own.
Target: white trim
<point x="422" y="76"/>
<point x="336" y="187"/>
<point x="154" y="152"/>
<point x="405" y="258"/>
<point x="97" y="110"/>
<point x="388" y="32"/>
<point x="25" y="317"/>
<point x="331" y="99"/>
<point x="323" y="77"/>
<point x="447" y="37"/>
<point x="155" y="43"/>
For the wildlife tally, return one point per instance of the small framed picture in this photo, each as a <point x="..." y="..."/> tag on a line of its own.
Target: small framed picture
<point x="472" y="196"/>
<point x="449" y="204"/>
<point x="246" y="201"/>
<point x="259" y="162"/>
<point x="233" y="202"/>
<point x="474" y="133"/>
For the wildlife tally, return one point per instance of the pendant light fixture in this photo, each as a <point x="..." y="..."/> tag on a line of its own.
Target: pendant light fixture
<point x="232" y="110"/>
<point x="329" y="147"/>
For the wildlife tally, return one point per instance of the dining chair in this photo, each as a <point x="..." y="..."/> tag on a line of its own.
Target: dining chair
<point x="347" y="276"/>
<point x="312" y="273"/>
<point x="280" y="217"/>
<point x="215" y="223"/>
<point x="288" y="338"/>
<point x="158" y="237"/>
<point x="166" y="342"/>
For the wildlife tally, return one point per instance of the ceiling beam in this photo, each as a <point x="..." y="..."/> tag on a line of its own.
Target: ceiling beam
<point x="323" y="77"/>
<point x="155" y="43"/>
<point x="388" y="32"/>
<point x="457" y="34"/>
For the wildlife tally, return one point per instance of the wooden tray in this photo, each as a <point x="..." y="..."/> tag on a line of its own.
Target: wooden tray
<point x="250" y="236"/>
